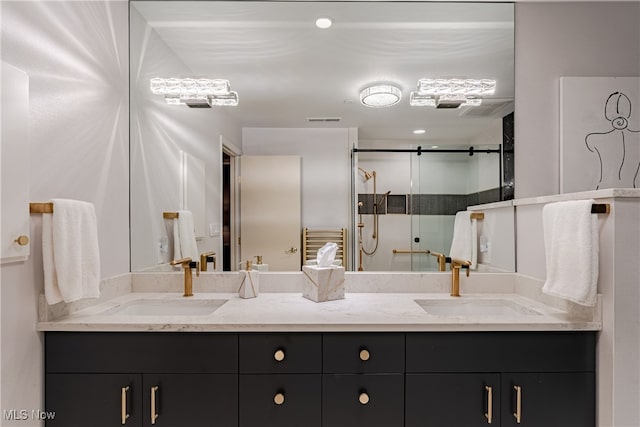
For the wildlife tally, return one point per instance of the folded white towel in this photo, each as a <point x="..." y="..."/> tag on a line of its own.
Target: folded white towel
<point x="571" y="243"/>
<point x="184" y="237"/>
<point x="70" y="252"/>
<point x="464" y="245"/>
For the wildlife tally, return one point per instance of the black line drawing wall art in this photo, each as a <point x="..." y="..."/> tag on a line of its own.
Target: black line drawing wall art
<point x="599" y="133"/>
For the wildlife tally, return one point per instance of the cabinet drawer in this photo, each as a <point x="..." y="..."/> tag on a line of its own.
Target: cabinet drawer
<point x="372" y="400"/>
<point x="280" y="353"/>
<point x="501" y="352"/>
<point x="363" y="353"/>
<point x="106" y="352"/>
<point x="280" y="400"/>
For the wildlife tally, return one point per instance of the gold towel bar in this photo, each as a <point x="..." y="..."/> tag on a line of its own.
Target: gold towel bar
<point x="170" y="215"/>
<point x="407" y="251"/>
<point x="604" y="208"/>
<point x="477" y="215"/>
<point x="41" y="208"/>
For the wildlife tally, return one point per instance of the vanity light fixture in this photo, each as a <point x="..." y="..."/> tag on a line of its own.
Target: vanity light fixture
<point x="377" y="96"/>
<point x="194" y="92"/>
<point x="451" y="93"/>
<point x="324" y="22"/>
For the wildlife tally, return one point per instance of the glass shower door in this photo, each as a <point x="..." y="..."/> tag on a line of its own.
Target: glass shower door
<point x="443" y="183"/>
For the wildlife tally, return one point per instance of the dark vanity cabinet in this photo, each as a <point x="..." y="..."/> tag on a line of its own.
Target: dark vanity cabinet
<point x="434" y="379"/>
<point x="363" y="380"/>
<point x="141" y="379"/>
<point x="535" y="379"/>
<point x="280" y="380"/>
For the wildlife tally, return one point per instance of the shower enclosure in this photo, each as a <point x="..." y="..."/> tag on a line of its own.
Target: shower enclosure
<point x="405" y="201"/>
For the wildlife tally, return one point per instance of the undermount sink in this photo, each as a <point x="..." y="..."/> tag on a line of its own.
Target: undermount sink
<point x="474" y="307"/>
<point x="168" y="307"/>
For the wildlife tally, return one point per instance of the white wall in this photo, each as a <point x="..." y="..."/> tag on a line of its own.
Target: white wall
<point x="158" y="133"/>
<point x="562" y="39"/>
<point x="579" y="39"/>
<point x="76" y="56"/>
<point x="326" y="168"/>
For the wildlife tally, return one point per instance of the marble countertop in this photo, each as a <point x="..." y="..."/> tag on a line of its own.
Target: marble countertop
<point x="358" y="311"/>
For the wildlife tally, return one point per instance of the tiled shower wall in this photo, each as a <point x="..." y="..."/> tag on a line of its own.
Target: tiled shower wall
<point x="426" y="204"/>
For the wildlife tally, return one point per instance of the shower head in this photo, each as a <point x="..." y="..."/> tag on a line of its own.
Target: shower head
<point x="367" y="175"/>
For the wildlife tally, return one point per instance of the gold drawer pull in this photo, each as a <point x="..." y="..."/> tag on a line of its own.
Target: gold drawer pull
<point x="22" y="240"/>
<point x="279" y="355"/>
<point x="124" y="414"/>
<point x="518" y="413"/>
<point x="363" y="398"/>
<point x="489" y="414"/>
<point x="278" y="399"/>
<point x="154" y="412"/>
<point x="364" y="355"/>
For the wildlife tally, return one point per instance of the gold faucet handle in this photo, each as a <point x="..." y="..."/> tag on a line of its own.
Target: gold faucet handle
<point x="459" y="263"/>
<point x="207" y="257"/>
<point x="442" y="260"/>
<point x="183" y="261"/>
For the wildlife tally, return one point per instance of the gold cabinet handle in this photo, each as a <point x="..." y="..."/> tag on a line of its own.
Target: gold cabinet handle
<point x="363" y="398"/>
<point x="22" y="240"/>
<point x="518" y="413"/>
<point x="489" y="414"/>
<point x="278" y="399"/>
<point x="154" y="412"/>
<point x="124" y="414"/>
<point x="364" y="355"/>
<point x="279" y="355"/>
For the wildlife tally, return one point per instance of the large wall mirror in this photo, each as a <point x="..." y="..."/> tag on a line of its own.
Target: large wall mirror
<point x="289" y="144"/>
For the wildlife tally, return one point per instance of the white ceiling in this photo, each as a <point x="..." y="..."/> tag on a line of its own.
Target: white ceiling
<point x="286" y="70"/>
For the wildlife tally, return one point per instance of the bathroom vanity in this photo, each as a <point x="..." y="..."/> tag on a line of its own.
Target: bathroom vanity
<point x="321" y="379"/>
<point x="380" y="360"/>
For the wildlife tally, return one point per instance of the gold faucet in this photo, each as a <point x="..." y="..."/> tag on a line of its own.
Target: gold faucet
<point x="205" y="258"/>
<point x="442" y="260"/>
<point x="188" y="277"/>
<point x="456" y="264"/>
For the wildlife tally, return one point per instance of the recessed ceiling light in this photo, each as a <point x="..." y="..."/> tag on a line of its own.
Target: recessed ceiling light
<point x="434" y="146"/>
<point x="419" y="131"/>
<point x="324" y="22"/>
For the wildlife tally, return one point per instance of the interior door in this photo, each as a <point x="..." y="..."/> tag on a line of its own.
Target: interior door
<point x="270" y="213"/>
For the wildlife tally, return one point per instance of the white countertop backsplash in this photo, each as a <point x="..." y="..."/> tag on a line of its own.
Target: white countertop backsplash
<point x="373" y="302"/>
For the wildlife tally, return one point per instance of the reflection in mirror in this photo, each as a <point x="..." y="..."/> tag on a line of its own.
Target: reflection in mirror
<point x="299" y="90"/>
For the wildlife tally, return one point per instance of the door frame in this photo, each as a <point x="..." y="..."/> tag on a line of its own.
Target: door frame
<point x="228" y="148"/>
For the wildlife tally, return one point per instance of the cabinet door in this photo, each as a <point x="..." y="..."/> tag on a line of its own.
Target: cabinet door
<point x="96" y="400"/>
<point x="280" y="400"/>
<point x="194" y="400"/>
<point x="363" y="400"/>
<point x="452" y="400"/>
<point x="548" y="399"/>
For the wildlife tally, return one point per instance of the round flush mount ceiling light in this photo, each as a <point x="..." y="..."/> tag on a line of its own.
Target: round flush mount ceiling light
<point x="419" y="131"/>
<point x="324" y="22"/>
<point x="380" y="96"/>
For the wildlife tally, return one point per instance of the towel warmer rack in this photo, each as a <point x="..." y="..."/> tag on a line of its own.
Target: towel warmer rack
<point x="312" y="240"/>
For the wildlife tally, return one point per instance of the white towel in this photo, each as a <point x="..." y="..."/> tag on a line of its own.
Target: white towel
<point x="184" y="237"/>
<point x="464" y="245"/>
<point x="70" y="252"/>
<point x="571" y="250"/>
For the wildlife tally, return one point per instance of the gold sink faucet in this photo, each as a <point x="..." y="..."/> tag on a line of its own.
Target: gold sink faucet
<point x="206" y="258"/>
<point x="188" y="276"/>
<point x="456" y="265"/>
<point x="442" y="260"/>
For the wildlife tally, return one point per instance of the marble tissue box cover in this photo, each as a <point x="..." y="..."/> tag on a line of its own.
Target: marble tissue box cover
<point x="249" y="283"/>
<point x="323" y="283"/>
